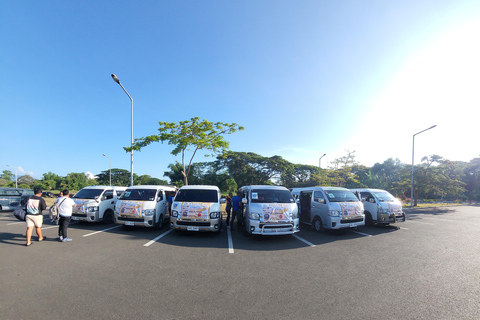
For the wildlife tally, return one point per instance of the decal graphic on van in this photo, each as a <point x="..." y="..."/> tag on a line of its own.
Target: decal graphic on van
<point x="275" y="212"/>
<point x="395" y="208"/>
<point x="80" y="205"/>
<point x="195" y="210"/>
<point x="131" y="208"/>
<point x="349" y="209"/>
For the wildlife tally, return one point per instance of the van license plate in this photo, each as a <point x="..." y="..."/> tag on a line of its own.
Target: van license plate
<point x="193" y="229"/>
<point x="129" y="223"/>
<point x="353" y="225"/>
<point x="74" y="218"/>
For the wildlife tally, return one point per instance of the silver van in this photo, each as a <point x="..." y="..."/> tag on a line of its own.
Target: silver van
<point x="96" y="203"/>
<point x="13" y="198"/>
<point x="380" y="206"/>
<point x="329" y="208"/>
<point x="269" y="210"/>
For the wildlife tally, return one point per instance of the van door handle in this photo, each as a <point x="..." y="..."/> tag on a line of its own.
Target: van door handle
<point x="113" y="202"/>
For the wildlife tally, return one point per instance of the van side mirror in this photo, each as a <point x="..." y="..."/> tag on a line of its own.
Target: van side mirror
<point x="244" y="201"/>
<point x="371" y="200"/>
<point x="159" y="199"/>
<point x="104" y="198"/>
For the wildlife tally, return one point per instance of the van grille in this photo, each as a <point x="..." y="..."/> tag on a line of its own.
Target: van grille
<point x="193" y="223"/>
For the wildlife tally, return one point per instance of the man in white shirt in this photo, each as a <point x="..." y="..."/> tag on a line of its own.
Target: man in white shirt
<point x="65" y="213"/>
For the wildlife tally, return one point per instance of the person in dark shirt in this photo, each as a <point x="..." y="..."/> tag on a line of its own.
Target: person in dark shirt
<point x="236" y="210"/>
<point x="228" y="207"/>
<point x="34" y="218"/>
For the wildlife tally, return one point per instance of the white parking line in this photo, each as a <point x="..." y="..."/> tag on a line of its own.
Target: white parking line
<point x="304" y="241"/>
<point x="8" y="224"/>
<point x="91" y="234"/>
<point x="414" y="221"/>
<point x="230" y="241"/>
<point x="157" y="238"/>
<point x="363" y="234"/>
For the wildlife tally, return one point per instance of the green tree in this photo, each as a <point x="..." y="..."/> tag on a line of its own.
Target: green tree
<point x="342" y="174"/>
<point x="120" y="177"/>
<point x="195" y="134"/>
<point x="7" y="179"/>
<point x="26" y="181"/>
<point x="175" y="174"/>
<point x="76" y="181"/>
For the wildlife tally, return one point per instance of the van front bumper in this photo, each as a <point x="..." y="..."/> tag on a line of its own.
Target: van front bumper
<point x="267" y="229"/>
<point x="342" y="223"/>
<point x="135" y="222"/>
<point x="386" y="218"/>
<point x="89" y="217"/>
<point x="212" y="225"/>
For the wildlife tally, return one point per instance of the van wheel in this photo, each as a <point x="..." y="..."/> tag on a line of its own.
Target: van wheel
<point x="317" y="224"/>
<point x="108" y="217"/>
<point x="368" y="219"/>
<point x="160" y="222"/>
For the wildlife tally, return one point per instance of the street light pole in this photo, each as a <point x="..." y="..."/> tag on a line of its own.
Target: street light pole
<point x="413" y="153"/>
<point x="16" y="184"/>
<point x="110" y="168"/>
<point x="320" y="162"/>
<point x="114" y="77"/>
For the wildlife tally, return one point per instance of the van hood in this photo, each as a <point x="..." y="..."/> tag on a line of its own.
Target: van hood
<point x="195" y="210"/>
<point x="393" y="207"/>
<point x="82" y="204"/>
<point x="349" y="209"/>
<point x="130" y="209"/>
<point x="273" y="212"/>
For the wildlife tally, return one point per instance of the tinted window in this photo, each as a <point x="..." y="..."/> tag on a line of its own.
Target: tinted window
<point x="340" y="196"/>
<point x="88" y="193"/>
<point x="108" y="194"/>
<point x="271" y="196"/>
<point x="197" y="195"/>
<point x="384" y="196"/>
<point x="139" y="194"/>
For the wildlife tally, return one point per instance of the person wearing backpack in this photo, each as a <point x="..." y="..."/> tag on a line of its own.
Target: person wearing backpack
<point x="65" y="213"/>
<point x="34" y="218"/>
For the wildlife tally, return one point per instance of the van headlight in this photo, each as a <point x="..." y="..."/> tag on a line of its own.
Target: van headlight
<point x="334" y="213"/>
<point x="214" y="215"/>
<point x="254" y="216"/>
<point x="174" y="213"/>
<point x="294" y="215"/>
<point x="149" y="212"/>
<point x="380" y="209"/>
<point x="92" y="209"/>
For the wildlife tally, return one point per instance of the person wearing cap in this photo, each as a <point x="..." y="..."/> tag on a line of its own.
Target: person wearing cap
<point x="34" y="217"/>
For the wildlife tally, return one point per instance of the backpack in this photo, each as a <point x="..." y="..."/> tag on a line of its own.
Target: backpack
<point x="19" y="214"/>
<point x="53" y="212"/>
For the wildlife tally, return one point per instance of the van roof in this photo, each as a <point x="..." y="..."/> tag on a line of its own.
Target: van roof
<point x="367" y="189"/>
<point x="264" y="187"/>
<point x="153" y="186"/>
<point x="200" y="187"/>
<point x="104" y="187"/>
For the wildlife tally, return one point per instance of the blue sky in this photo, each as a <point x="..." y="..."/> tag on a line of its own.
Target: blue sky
<point x="305" y="78"/>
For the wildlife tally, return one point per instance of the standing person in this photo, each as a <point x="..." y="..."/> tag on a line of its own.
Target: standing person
<point x="65" y="212"/>
<point x="228" y="207"/>
<point x="34" y="218"/>
<point x="170" y="201"/>
<point x="236" y="209"/>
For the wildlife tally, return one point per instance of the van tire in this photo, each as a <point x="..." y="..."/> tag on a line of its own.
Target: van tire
<point x="317" y="224"/>
<point x="108" y="217"/>
<point x="160" y="222"/>
<point x="368" y="219"/>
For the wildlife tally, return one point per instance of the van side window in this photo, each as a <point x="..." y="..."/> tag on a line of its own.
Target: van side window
<point x="366" y="196"/>
<point x="160" y="195"/>
<point x="245" y="195"/>
<point x="108" y="194"/>
<point x="318" y="197"/>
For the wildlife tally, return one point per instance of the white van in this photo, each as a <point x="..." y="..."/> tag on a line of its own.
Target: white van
<point x="143" y="206"/>
<point x="269" y="210"/>
<point x="329" y="208"/>
<point x="197" y="208"/>
<point x="380" y="206"/>
<point x="96" y="203"/>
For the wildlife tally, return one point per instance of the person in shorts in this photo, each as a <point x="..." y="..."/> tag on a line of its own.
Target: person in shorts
<point x="34" y="217"/>
<point x="236" y="210"/>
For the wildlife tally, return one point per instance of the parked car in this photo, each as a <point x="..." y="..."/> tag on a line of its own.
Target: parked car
<point x="48" y="194"/>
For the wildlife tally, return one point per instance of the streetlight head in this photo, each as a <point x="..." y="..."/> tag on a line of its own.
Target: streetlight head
<point x="432" y="127"/>
<point x="104" y="155"/>
<point x="114" y="77"/>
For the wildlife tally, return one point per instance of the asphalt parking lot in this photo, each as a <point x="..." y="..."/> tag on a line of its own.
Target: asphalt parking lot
<point x="425" y="268"/>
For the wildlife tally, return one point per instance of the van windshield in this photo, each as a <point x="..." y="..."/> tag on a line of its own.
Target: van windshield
<point x="384" y="196"/>
<point x="271" y="196"/>
<point x="88" y="193"/>
<point x="139" y="194"/>
<point x="197" y="195"/>
<point x="340" y="196"/>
